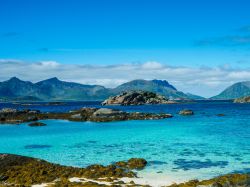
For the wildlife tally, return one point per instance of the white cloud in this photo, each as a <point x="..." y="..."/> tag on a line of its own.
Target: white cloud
<point x="205" y="81"/>
<point x="152" y="65"/>
<point x="50" y="64"/>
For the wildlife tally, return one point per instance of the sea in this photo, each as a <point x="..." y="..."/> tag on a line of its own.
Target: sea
<point x="213" y="142"/>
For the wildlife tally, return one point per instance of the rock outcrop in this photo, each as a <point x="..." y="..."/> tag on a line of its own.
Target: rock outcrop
<point x="242" y="100"/>
<point x="133" y="163"/>
<point x="231" y="180"/>
<point x="26" y="171"/>
<point x="136" y="98"/>
<point x="85" y="114"/>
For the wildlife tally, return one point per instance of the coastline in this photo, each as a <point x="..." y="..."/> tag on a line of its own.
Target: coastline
<point x="20" y="170"/>
<point x="146" y="178"/>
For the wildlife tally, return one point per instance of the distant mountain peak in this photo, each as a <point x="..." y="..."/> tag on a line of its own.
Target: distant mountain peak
<point x="237" y="90"/>
<point x="163" y="83"/>
<point x="14" y="79"/>
<point x="51" y="80"/>
<point x="55" y="89"/>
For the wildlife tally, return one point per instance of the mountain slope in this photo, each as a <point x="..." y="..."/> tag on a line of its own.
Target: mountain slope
<point x="61" y="90"/>
<point x="55" y="90"/>
<point x="156" y="86"/>
<point x="51" y="89"/>
<point x="237" y="90"/>
<point x="15" y="87"/>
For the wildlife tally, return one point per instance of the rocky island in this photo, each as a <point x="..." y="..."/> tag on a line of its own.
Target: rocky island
<point x="137" y="98"/>
<point x="14" y="116"/>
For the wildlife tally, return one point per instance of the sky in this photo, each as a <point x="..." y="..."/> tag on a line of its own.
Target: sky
<point x="199" y="46"/>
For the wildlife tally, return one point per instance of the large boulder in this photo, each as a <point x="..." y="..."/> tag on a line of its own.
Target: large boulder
<point x="136" y="98"/>
<point x="107" y="112"/>
<point x="133" y="163"/>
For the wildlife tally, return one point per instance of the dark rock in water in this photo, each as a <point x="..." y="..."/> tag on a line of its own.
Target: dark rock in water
<point x="136" y="98"/>
<point x="186" y="112"/>
<point x="84" y="114"/>
<point x="220" y="115"/>
<point x="37" y="124"/>
<point x="197" y="164"/>
<point x="242" y="100"/>
<point x="37" y="146"/>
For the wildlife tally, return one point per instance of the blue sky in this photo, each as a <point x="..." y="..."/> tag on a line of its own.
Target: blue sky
<point x="189" y="33"/>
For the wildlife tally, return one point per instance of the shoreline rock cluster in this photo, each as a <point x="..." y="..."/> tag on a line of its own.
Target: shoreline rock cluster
<point x="242" y="100"/>
<point x="137" y="98"/>
<point x="25" y="171"/>
<point x="14" y="116"/>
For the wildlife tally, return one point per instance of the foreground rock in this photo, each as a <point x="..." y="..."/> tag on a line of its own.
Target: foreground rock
<point x="84" y="114"/>
<point x="133" y="163"/>
<point x="186" y="112"/>
<point x="242" y="100"/>
<point x="137" y="98"/>
<point x="26" y="171"/>
<point x="231" y="180"/>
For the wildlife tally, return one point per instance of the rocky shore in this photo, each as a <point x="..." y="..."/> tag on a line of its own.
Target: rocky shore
<point x="14" y="116"/>
<point x="242" y="100"/>
<point x="24" y="171"/>
<point x="137" y="98"/>
<point x="19" y="170"/>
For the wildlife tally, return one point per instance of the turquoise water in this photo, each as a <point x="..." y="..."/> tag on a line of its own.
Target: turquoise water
<point x="199" y="146"/>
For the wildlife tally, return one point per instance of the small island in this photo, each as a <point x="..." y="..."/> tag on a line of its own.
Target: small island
<point x="137" y="98"/>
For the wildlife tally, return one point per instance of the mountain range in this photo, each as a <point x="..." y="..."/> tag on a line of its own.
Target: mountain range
<point x="54" y="89"/>
<point x="237" y="90"/>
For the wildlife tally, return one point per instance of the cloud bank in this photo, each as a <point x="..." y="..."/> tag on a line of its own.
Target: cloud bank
<point x="204" y="81"/>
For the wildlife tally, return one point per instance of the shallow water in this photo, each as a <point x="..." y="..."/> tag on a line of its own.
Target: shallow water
<point x="180" y="148"/>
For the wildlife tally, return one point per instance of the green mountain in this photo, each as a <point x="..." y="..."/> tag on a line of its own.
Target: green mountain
<point x="157" y="86"/>
<point x="53" y="89"/>
<point x="237" y="90"/>
<point x="50" y="89"/>
<point x="194" y="97"/>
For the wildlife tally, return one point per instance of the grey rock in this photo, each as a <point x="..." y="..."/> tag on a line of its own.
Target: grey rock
<point x="76" y="116"/>
<point x="8" y="110"/>
<point x="186" y="112"/>
<point x="136" y="98"/>
<point x="107" y="112"/>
